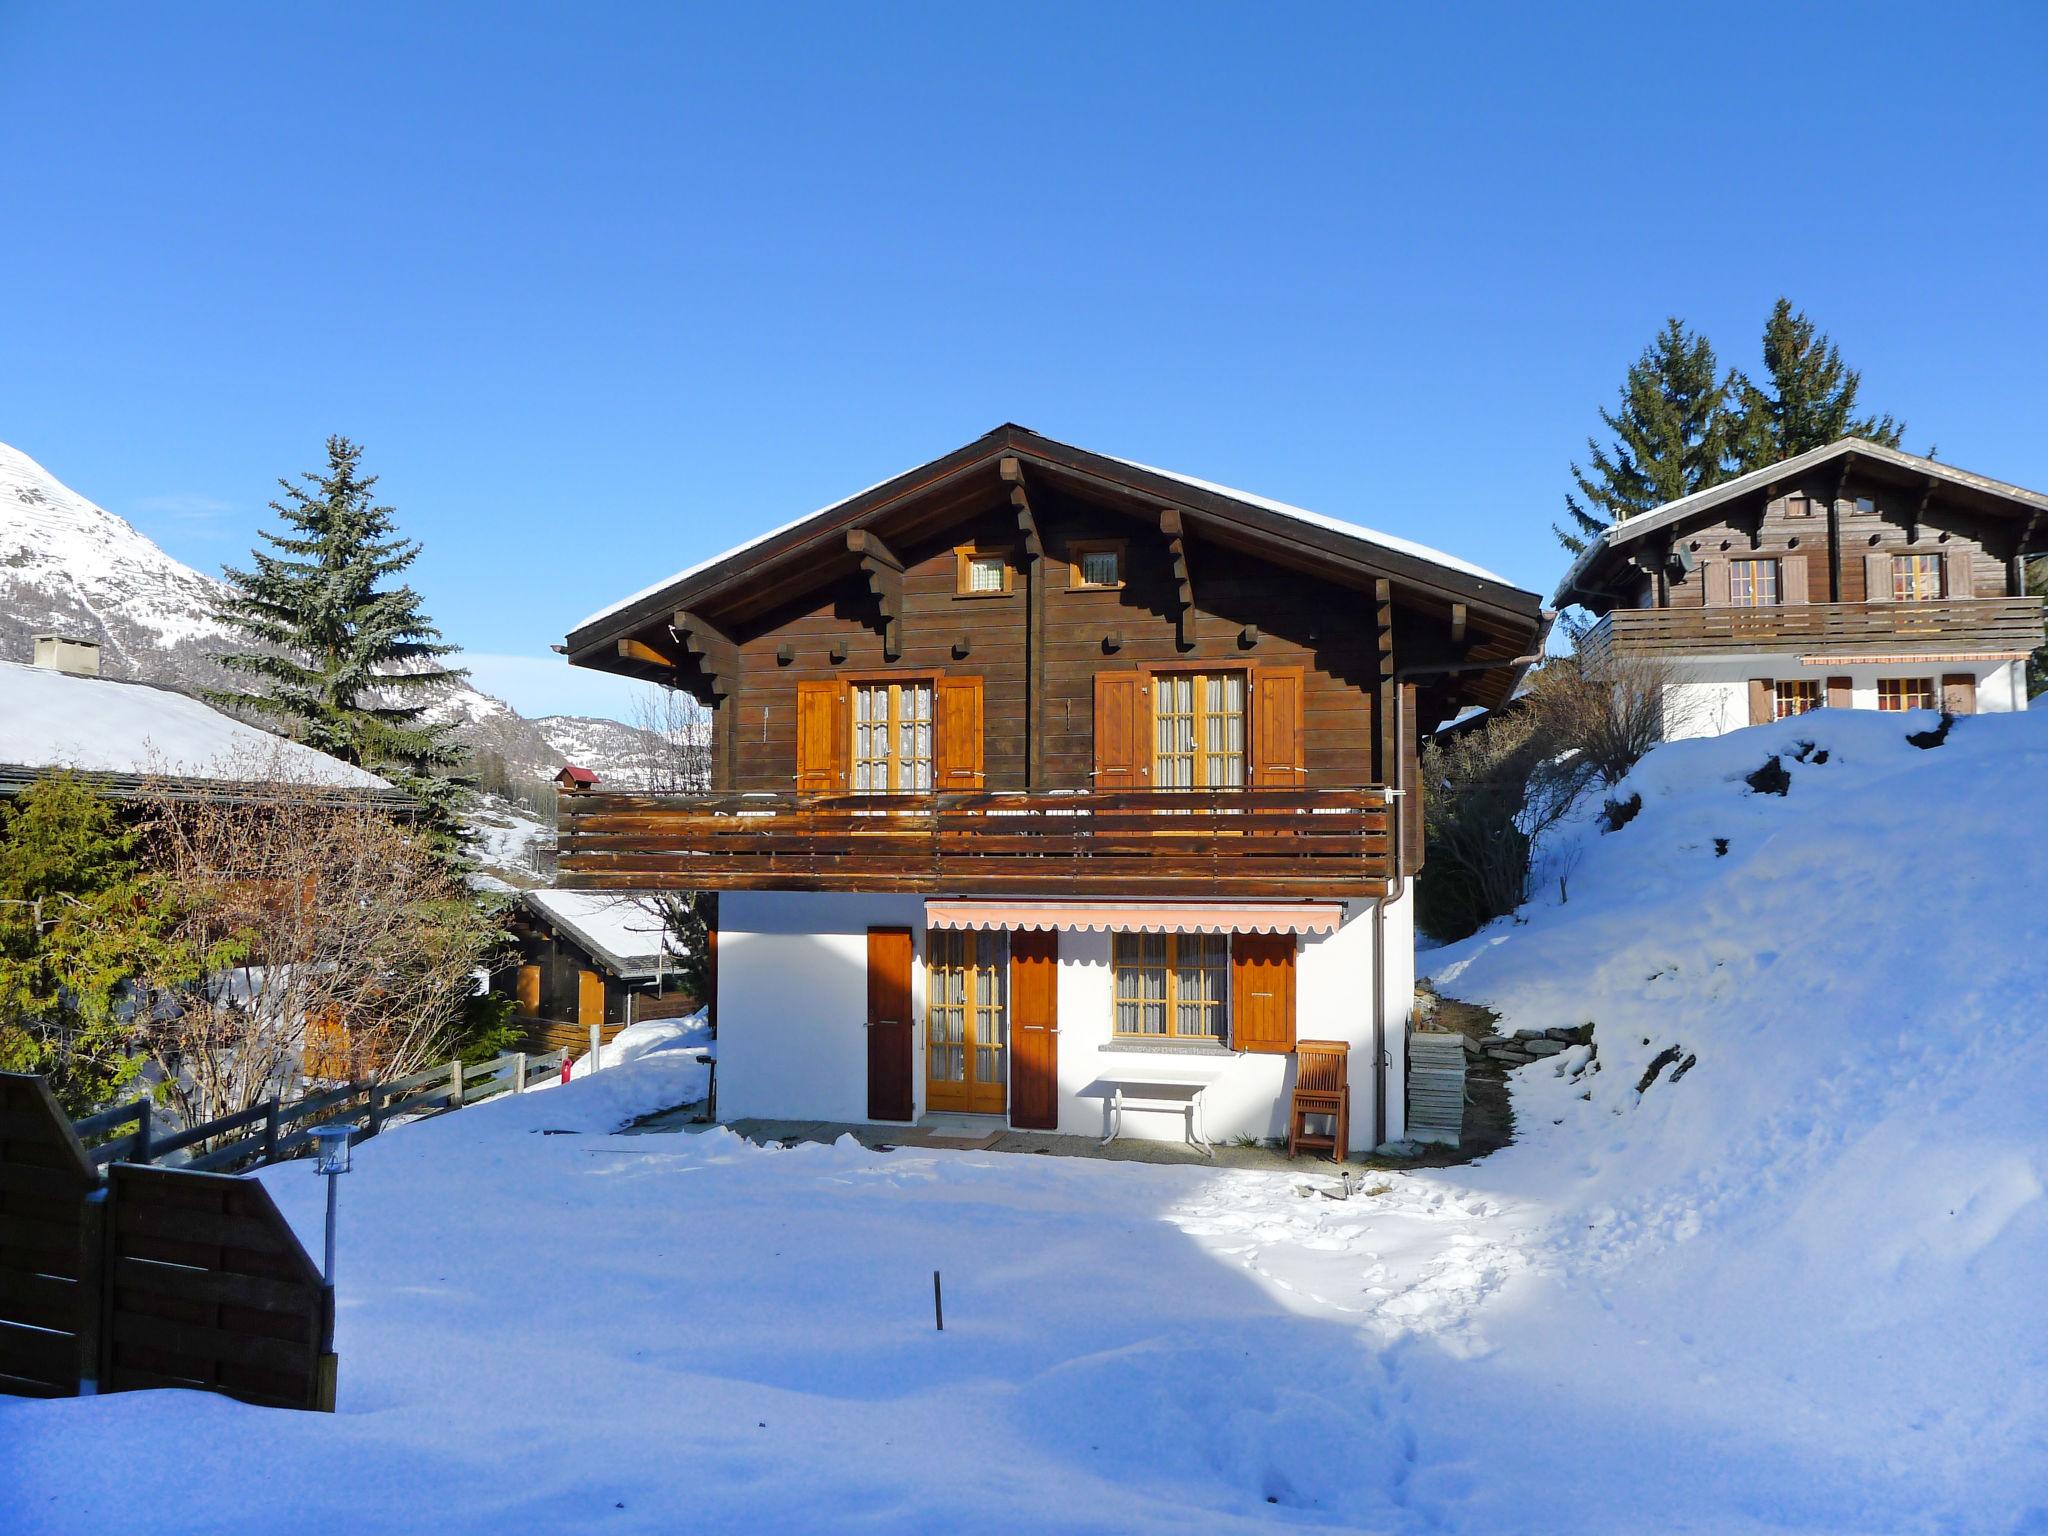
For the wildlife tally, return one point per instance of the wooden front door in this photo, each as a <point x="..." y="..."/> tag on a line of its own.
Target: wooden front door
<point x="1034" y="1026"/>
<point x="966" y="1025"/>
<point x="889" y="1022"/>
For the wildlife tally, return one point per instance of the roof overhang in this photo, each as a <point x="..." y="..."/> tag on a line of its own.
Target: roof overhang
<point x="745" y="579"/>
<point x="1311" y="917"/>
<point x="1978" y="493"/>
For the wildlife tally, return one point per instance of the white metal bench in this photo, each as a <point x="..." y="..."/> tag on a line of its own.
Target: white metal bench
<point x="1183" y="1095"/>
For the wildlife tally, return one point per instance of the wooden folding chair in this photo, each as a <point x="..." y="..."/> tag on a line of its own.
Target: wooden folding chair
<point x="1322" y="1087"/>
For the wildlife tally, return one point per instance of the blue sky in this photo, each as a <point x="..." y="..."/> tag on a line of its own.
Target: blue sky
<point x="606" y="289"/>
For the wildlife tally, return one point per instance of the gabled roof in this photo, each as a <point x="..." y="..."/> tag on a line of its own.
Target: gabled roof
<point x="1343" y="545"/>
<point x="577" y="775"/>
<point x="618" y="929"/>
<point x="1983" y="493"/>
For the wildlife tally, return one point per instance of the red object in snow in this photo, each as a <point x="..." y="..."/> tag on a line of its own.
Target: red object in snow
<point x="565" y="1066"/>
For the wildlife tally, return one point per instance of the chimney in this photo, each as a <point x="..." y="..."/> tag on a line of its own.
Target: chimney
<point x="68" y="654"/>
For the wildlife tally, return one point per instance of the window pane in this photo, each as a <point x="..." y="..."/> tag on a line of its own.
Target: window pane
<point x="1139" y="961"/>
<point x="985" y="573"/>
<point x="1796" y="698"/>
<point x="1753" y="583"/>
<point x="914" y="736"/>
<point x="1098" y="568"/>
<point x="1223" y="746"/>
<point x="1173" y="713"/>
<point x="1899" y="693"/>
<point x="871" y="739"/>
<point x="1916" y="578"/>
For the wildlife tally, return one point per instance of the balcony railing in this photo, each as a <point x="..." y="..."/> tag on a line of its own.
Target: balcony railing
<point x="1960" y="625"/>
<point x="1229" y="843"/>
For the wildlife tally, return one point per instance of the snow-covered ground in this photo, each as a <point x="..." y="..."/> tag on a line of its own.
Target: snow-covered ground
<point x="1798" y="1289"/>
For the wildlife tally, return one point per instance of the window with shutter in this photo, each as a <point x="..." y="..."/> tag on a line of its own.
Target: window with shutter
<point x="1198" y="730"/>
<point x="892" y="737"/>
<point x="1959" y="693"/>
<point x="1171" y="986"/>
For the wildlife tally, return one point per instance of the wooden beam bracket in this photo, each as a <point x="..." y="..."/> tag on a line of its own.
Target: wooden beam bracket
<point x="884" y="572"/>
<point x="714" y="653"/>
<point x="1183" y="585"/>
<point x="1012" y="471"/>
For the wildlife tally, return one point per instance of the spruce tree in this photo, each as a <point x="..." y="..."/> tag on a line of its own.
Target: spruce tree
<point x="339" y="658"/>
<point x="1671" y="437"/>
<point x="1808" y="401"/>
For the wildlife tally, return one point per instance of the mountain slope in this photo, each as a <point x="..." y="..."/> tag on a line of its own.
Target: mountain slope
<point x="68" y="565"/>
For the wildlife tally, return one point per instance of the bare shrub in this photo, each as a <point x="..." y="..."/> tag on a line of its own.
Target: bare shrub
<point x="1584" y="720"/>
<point x="329" y="926"/>
<point x="681" y="765"/>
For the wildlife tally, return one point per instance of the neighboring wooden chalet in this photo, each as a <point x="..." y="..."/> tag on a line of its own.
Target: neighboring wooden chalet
<point x="1853" y="576"/>
<point x="589" y="957"/>
<point x="573" y="779"/>
<point x="1038" y="774"/>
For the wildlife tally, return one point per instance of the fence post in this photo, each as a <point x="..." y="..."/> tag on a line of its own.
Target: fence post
<point x="140" y="1151"/>
<point x="519" y="1071"/>
<point x="596" y="1046"/>
<point x="270" y="1129"/>
<point x="93" y="1284"/>
<point x="455" y="1083"/>
<point x="376" y="1114"/>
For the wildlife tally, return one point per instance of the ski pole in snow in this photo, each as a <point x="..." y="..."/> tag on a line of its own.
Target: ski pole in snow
<point x="938" y="1304"/>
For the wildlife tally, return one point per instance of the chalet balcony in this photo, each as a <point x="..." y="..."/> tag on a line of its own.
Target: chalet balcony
<point x="1331" y="843"/>
<point x="1961" y="626"/>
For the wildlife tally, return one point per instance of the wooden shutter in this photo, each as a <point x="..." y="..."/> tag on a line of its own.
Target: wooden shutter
<point x="589" y="998"/>
<point x="1714" y="578"/>
<point x="1841" y="692"/>
<point x="1877" y="578"/>
<point x="956" y="704"/>
<point x="529" y="989"/>
<point x="1958" y="574"/>
<point x="1119" y="731"/>
<point x="1278" y="735"/>
<point x="1262" y="992"/>
<point x="821" y="731"/>
<point x="1761" y="700"/>
<point x="1959" y="693"/>
<point x="1792" y="579"/>
<point x="1409" y="767"/>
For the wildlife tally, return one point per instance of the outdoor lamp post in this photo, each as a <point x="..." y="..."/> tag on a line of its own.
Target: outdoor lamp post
<point x="330" y="1160"/>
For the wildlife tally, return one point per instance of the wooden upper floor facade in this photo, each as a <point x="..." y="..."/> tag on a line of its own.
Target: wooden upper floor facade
<point x="983" y="673"/>
<point x="1852" y="549"/>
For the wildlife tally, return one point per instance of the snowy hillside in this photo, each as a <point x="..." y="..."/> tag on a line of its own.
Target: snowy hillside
<point x="1829" y="1197"/>
<point x="68" y="565"/>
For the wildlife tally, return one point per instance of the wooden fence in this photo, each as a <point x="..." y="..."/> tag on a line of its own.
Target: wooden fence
<point x="184" y="1276"/>
<point x="272" y="1131"/>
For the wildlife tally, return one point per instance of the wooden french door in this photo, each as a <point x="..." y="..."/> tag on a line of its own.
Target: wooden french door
<point x="966" y="1021"/>
<point x="889" y="1024"/>
<point x="1034" y="1029"/>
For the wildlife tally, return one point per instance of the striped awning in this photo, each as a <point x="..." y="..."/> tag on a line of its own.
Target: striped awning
<point x="1141" y="916"/>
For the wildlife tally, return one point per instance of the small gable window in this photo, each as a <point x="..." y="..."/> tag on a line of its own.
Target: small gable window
<point x="981" y="573"/>
<point x="1097" y="563"/>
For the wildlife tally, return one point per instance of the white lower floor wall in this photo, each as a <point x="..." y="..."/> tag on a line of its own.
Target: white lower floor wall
<point x="1711" y="698"/>
<point x="793" y="1011"/>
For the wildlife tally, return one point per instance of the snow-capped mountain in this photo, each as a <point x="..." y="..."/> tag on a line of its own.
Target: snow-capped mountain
<point x="70" y="566"/>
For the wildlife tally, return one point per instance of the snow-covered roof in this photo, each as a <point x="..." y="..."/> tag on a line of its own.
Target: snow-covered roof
<point x="1317" y="520"/>
<point x="51" y="719"/>
<point x="619" y="928"/>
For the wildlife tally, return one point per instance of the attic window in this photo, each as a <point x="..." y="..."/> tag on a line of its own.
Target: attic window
<point x="1097" y="563"/>
<point x="981" y="574"/>
<point x="1798" y="506"/>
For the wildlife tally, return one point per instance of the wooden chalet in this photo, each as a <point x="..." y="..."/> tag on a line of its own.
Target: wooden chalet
<point x="1054" y="772"/>
<point x="1853" y="576"/>
<point x="588" y="958"/>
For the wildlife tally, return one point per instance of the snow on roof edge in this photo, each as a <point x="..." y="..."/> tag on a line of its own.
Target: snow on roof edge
<point x="1389" y="541"/>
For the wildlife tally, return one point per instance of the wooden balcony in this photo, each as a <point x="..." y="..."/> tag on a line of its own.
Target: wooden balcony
<point x="1332" y="843"/>
<point x="1963" y="626"/>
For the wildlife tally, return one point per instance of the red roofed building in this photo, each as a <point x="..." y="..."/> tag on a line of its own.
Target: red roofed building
<point x="573" y="778"/>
